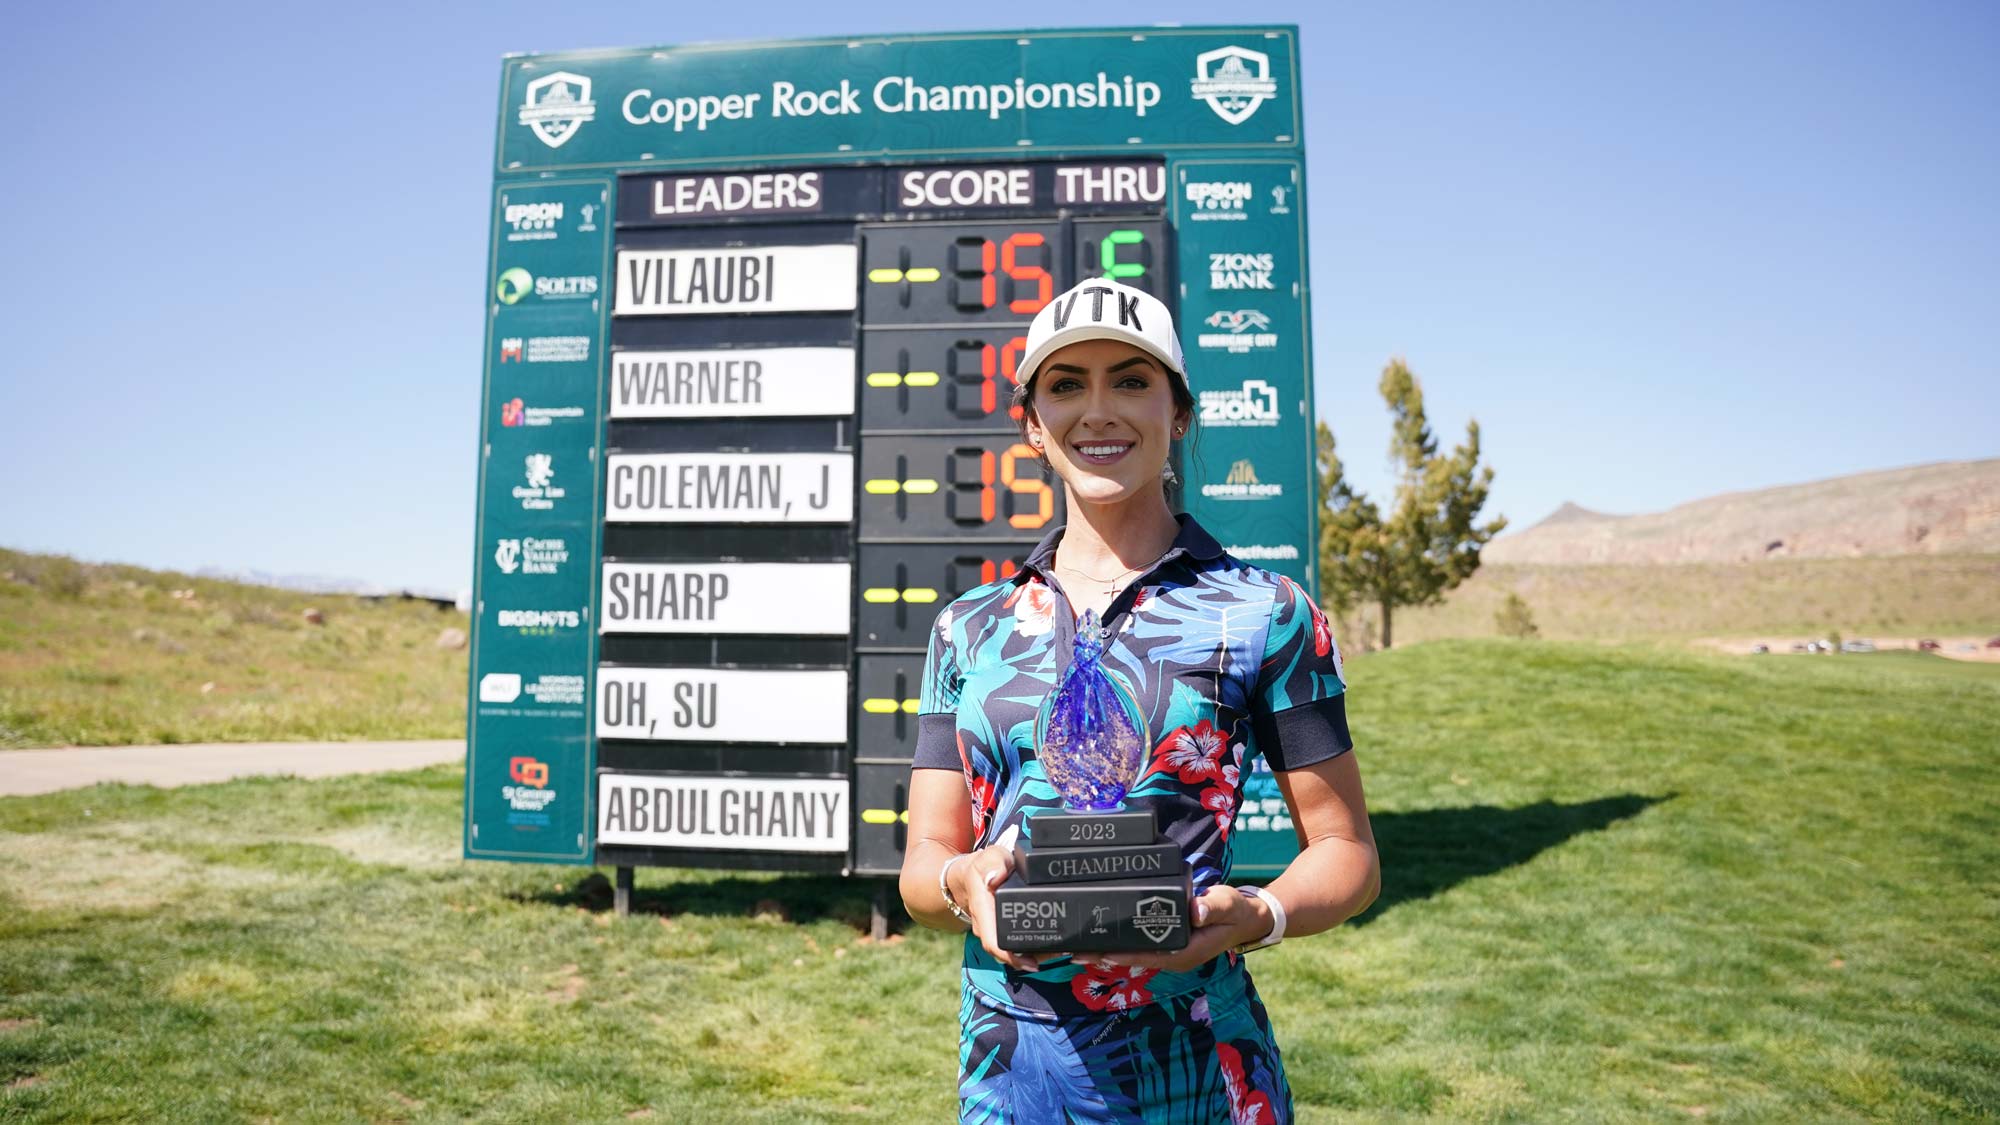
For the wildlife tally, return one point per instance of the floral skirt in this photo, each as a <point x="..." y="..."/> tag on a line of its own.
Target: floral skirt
<point x="1202" y="1057"/>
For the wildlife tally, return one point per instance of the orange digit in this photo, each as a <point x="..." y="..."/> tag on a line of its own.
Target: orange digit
<point x="1044" y="284"/>
<point x="989" y="396"/>
<point x="1010" y="363"/>
<point x="986" y="499"/>
<point x="1046" y="497"/>
<point x="988" y="288"/>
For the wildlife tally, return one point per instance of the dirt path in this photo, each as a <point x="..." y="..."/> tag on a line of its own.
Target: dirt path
<point x="1952" y="648"/>
<point x="27" y="772"/>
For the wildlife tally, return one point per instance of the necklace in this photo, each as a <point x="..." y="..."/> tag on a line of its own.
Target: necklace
<point x="1111" y="585"/>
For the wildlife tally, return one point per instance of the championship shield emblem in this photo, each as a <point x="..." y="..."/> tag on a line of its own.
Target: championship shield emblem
<point x="1156" y="918"/>
<point x="1234" y="81"/>
<point x="556" y="106"/>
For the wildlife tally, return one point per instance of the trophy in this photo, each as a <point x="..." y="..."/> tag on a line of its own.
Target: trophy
<point x="1092" y="876"/>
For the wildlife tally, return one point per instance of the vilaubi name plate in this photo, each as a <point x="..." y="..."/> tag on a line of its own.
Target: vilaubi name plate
<point x="1042" y="866"/>
<point x="1092" y="918"/>
<point x="1057" y="828"/>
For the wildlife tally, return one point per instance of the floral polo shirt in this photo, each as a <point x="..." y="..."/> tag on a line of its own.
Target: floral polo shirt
<point x="1225" y="660"/>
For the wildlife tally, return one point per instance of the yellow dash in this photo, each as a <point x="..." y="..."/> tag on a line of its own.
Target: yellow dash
<point x="909" y="706"/>
<point x="881" y="487"/>
<point x="887" y="275"/>
<point x="879" y="596"/>
<point x="878" y="816"/>
<point x="884" y="379"/>
<point x="920" y="594"/>
<point x="921" y="379"/>
<point x="925" y="274"/>
<point x="879" y="706"/>
<point x="920" y="487"/>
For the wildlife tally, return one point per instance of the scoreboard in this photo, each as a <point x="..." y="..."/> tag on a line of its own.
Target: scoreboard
<point x="747" y="420"/>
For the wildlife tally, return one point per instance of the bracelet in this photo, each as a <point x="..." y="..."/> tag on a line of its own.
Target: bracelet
<point x="1277" y="933"/>
<point x="944" y="887"/>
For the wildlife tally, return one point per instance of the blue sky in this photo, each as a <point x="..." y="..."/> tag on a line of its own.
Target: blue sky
<point x="1659" y="251"/>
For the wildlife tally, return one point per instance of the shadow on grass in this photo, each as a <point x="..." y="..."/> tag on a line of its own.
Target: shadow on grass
<point x="1425" y="853"/>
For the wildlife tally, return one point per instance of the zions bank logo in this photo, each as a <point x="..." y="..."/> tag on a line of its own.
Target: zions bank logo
<point x="555" y="107"/>
<point x="1234" y="81"/>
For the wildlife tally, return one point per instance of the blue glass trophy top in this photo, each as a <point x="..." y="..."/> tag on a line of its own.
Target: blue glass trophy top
<point x="1090" y="748"/>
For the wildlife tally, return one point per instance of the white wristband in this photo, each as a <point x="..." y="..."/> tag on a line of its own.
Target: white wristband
<point x="1277" y="908"/>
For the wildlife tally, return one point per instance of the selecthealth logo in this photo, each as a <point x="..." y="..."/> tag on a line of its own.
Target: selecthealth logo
<point x="514" y="284"/>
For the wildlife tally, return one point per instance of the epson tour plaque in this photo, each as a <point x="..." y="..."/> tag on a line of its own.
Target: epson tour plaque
<point x="1092" y="876"/>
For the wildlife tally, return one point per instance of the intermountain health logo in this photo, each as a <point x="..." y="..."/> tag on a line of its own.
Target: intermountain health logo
<point x="1242" y="484"/>
<point x="1234" y="81"/>
<point x="556" y="106"/>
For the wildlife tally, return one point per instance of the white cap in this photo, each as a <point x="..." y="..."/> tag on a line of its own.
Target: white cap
<point x="1102" y="309"/>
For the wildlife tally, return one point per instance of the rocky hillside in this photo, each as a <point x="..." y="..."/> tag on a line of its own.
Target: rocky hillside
<point x="1949" y="508"/>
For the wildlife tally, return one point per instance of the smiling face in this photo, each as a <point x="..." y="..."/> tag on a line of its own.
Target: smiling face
<point x="1104" y="413"/>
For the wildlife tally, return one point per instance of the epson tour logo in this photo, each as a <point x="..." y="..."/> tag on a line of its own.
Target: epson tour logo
<point x="556" y="106"/>
<point x="532" y="222"/>
<point x="1234" y="81"/>
<point x="1254" y="404"/>
<point x="1218" y="200"/>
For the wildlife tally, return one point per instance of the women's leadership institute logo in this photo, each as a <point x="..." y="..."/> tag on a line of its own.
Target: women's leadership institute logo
<point x="556" y="106"/>
<point x="1234" y="81"/>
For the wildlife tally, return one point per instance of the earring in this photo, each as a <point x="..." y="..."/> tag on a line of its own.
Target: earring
<point x="1167" y="474"/>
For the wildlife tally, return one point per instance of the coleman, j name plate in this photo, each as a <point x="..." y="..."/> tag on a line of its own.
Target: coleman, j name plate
<point x="1042" y="866"/>
<point x="1095" y="917"/>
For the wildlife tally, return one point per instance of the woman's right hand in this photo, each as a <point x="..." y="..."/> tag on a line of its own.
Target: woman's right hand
<point x="973" y="880"/>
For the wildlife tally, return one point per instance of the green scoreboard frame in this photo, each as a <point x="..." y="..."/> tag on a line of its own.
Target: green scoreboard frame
<point x="752" y="317"/>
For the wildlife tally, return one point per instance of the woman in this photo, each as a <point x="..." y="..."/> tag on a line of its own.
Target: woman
<point x="1225" y="660"/>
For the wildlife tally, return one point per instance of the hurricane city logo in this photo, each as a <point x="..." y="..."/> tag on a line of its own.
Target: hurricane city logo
<point x="1234" y="81"/>
<point x="507" y="556"/>
<point x="555" y="107"/>
<point x="1238" y="320"/>
<point x="510" y="350"/>
<point x="529" y="771"/>
<point x="540" y="470"/>
<point x="512" y="412"/>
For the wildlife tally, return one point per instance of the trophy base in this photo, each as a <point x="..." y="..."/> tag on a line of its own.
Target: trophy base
<point x="1042" y="866"/>
<point x="1060" y="828"/>
<point x="1104" y="917"/>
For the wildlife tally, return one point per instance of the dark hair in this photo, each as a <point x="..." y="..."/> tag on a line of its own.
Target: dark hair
<point x="1024" y="393"/>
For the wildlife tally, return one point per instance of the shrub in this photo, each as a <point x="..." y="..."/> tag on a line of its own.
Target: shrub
<point x="1514" y="619"/>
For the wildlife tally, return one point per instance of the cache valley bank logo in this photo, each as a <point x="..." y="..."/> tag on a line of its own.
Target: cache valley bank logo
<point x="1234" y="81"/>
<point x="556" y="106"/>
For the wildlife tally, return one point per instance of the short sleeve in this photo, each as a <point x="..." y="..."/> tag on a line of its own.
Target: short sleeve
<point x="1299" y="711"/>
<point x="937" y="703"/>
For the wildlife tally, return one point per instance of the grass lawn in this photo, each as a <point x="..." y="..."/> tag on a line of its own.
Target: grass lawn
<point x="1620" y="883"/>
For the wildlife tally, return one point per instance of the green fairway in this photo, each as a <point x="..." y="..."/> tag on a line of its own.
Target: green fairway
<point x="1619" y="883"/>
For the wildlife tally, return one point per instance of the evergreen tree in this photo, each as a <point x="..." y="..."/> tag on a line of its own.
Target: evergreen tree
<point x="1430" y="540"/>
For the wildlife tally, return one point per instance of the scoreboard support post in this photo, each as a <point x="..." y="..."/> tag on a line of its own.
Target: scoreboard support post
<point x="746" y="419"/>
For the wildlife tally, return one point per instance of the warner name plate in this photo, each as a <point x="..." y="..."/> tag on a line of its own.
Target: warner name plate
<point x="1092" y="917"/>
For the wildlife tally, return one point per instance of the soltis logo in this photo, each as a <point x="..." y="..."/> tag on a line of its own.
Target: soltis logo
<point x="511" y="412"/>
<point x="514" y="284"/>
<point x="1234" y="81"/>
<point x="1254" y="404"/>
<point x="529" y="771"/>
<point x="556" y="106"/>
<point x="510" y="350"/>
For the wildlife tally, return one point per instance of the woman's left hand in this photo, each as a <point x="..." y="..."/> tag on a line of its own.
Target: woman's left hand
<point x="1224" y="918"/>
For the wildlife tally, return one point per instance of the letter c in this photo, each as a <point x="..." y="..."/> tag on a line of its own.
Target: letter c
<point x="626" y="105"/>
